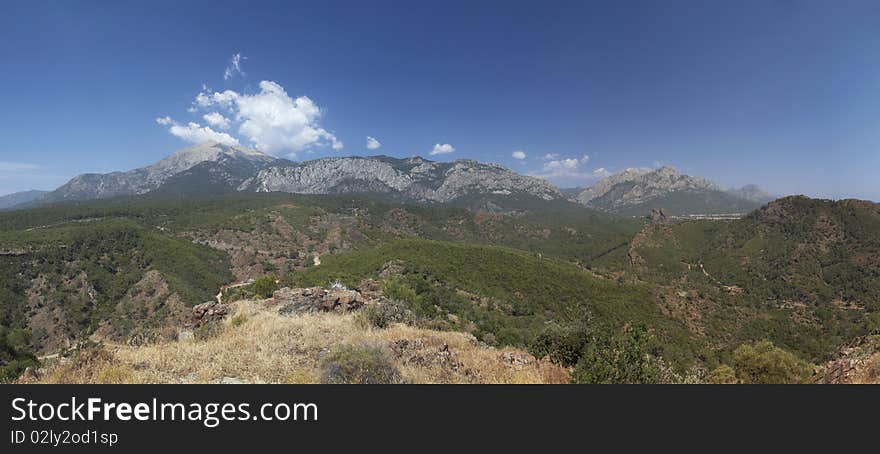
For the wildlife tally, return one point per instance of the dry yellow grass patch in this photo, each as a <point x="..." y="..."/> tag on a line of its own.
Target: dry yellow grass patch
<point x="870" y="373"/>
<point x="258" y="345"/>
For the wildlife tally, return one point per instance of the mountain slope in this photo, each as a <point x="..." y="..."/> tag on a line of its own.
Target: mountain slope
<point x="412" y="179"/>
<point x="233" y="163"/>
<point x="18" y="198"/>
<point x="804" y="273"/>
<point x="638" y="191"/>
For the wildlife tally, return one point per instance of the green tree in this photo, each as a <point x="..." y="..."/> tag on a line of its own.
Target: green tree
<point x="265" y="286"/>
<point x="723" y="375"/>
<point x="619" y="357"/>
<point x="764" y="363"/>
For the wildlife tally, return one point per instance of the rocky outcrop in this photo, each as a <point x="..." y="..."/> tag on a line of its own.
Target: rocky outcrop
<point x="146" y="179"/>
<point x="316" y="299"/>
<point x="413" y="179"/>
<point x="637" y="191"/>
<point x="205" y="313"/>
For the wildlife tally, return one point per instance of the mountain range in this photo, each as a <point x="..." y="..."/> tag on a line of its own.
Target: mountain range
<point x="212" y="168"/>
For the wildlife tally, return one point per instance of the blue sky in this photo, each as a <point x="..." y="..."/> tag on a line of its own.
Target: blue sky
<point x="785" y="94"/>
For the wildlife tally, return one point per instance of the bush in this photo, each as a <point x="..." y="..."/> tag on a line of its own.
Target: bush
<point x="563" y="344"/>
<point x="238" y="320"/>
<point x="765" y="363"/>
<point x="723" y="375"/>
<point x="265" y="286"/>
<point x="369" y="364"/>
<point x="619" y="357"/>
<point x="15" y="356"/>
<point x="386" y="313"/>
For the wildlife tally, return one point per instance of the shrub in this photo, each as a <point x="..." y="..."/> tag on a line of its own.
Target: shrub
<point x="765" y="363"/>
<point x="15" y="356"/>
<point x="386" y="313"/>
<point x="619" y="357"/>
<point x="238" y="320"/>
<point x="359" y="364"/>
<point x="265" y="286"/>
<point x="563" y="344"/>
<point x="723" y="375"/>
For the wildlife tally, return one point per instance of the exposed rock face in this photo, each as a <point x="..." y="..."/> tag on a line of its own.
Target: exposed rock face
<point x="604" y="185"/>
<point x="413" y="178"/>
<point x="665" y="187"/>
<point x="146" y="179"/>
<point x="211" y="311"/>
<point x="658" y="216"/>
<point x="317" y="299"/>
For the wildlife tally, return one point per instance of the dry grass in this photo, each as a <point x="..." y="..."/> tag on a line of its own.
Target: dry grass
<point x="258" y="345"/>
<point x="870" y="373"/>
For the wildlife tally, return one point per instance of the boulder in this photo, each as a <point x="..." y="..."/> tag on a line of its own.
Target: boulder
<point x="317" y="299"/>
<point x="208" y="312"/>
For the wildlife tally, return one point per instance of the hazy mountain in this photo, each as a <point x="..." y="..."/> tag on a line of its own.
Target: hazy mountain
<point x="637" y="191"/>
<point x="415" y="179"/>
<point x="753" y="193"/>
<point x="233" y="164"/>
<point x="18" y="198"/>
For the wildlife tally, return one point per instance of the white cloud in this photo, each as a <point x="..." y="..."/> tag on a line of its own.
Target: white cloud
<point x="568" y="163"/>
<point x="601" y="172"/>
<point x="567" y="171"/>
<point x="234" y="67"/>
<point x="271" y="120"/>
<point x="372" y="143"/>
<point x="6" y="166"/>
<point x="196" y="133"/>
<point x="216" y="119"/>
<point x="519" y="154"/>
<point x="444" y="148"/>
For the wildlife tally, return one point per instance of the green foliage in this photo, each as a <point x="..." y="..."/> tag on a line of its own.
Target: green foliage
<point x="723" y="375"/>
<point x="15" y="353"/>
<point x="623" y="356"/>
<point x="368" y="364"/>
<point x="238" y="320"/>
<point x="809" y="270"/>
<point x="563" y="343"/>
<point x="764" y="363"/>
<point x="386" y="313"/>
<point x="265" y="286"/>
<point x="504" y="292"/>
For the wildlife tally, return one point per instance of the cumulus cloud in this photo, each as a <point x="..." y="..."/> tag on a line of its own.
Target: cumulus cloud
<point x="234" y="67"/>
<point x="566" y="170"/>
<point x="196" y="133"/>
<point x="601" y="172"/>
<point x="216" y="119"/>
<point x="271" y="120"/>
<point x="519" y="154"/>
<point x="372" y="143"/>
<point x="444" y="148"/>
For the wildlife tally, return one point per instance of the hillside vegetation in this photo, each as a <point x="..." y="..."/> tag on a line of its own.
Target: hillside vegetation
<point x="804" y="273"/>
<point x="557" y="280"/>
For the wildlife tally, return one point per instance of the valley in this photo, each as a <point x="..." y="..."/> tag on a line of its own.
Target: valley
<point x="601" y="295"/>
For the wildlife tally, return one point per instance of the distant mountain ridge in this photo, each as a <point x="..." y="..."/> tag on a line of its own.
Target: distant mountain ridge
<point x="213" y="168"/>
<point x="411" y="178"/>
<point x="146" y="179"/>
<point x="18" y="198"/>
<point x="639" y="190"/>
